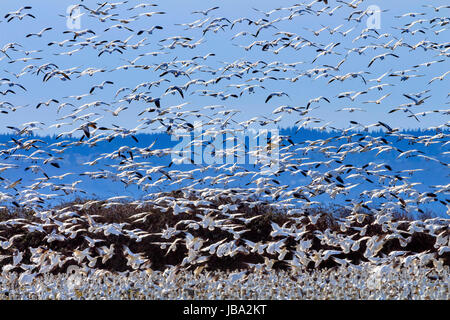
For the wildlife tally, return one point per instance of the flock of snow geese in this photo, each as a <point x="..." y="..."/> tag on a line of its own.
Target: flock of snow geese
<point x="223" y="230"/>
<point x="358" y="282"/>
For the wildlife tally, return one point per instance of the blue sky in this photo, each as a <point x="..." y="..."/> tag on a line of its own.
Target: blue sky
<point x="47" y="14"/>
<point x="53" y="14"/>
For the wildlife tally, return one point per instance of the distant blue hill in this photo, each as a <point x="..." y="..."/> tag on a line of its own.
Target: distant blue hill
<point x="73" y="159"/>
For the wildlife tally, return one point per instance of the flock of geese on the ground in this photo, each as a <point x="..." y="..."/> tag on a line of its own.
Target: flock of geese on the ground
<point x="206" y="222"/>
<point x="356" y="283"/>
